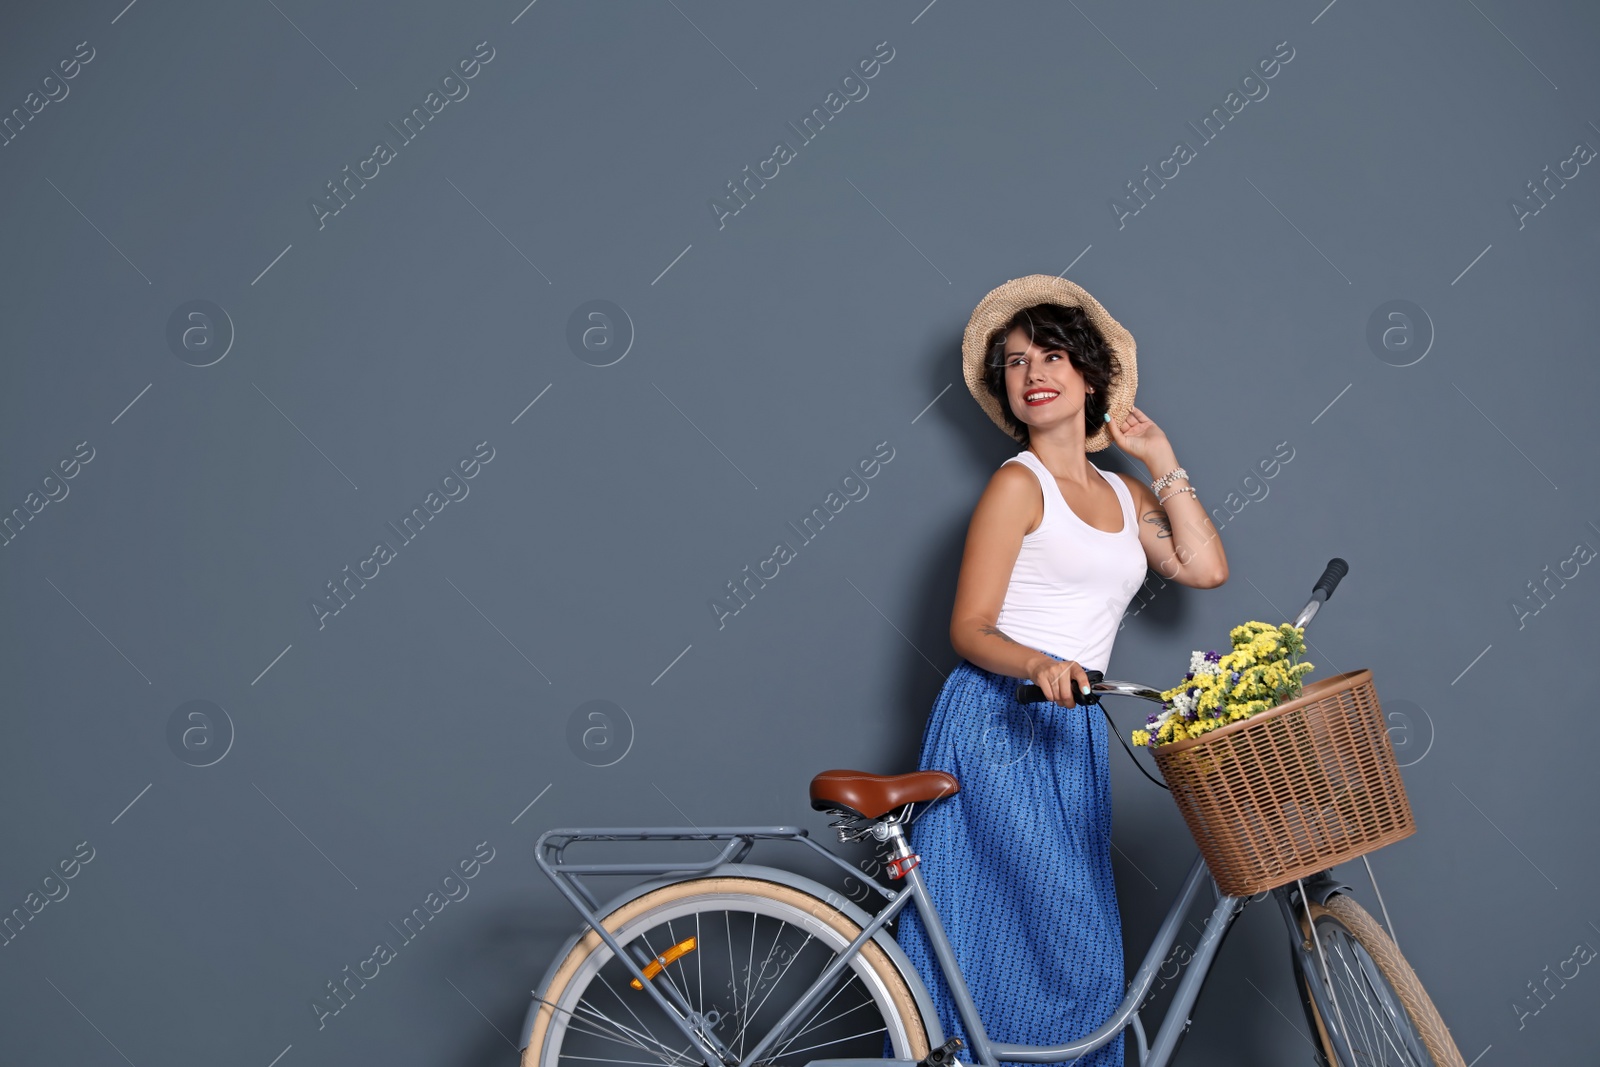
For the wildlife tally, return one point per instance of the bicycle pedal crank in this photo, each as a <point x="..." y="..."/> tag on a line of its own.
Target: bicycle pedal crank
<point x="944" y="1055"/>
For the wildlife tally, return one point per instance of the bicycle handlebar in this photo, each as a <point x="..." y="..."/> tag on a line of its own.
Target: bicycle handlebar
<point x="1332" y="575"/>
<point x="1336" y="570"/>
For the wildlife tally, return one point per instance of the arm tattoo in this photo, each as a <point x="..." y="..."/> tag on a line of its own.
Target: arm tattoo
<point x="993" y="630"/>
<point x="1163" y="524"/>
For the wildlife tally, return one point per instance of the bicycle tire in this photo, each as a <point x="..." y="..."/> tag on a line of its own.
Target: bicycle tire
<point x="1377" y="1033"/>
<point x="672" y="909"/>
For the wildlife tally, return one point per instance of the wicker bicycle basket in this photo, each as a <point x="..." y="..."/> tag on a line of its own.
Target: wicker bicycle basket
<point x="1293" y="790"/>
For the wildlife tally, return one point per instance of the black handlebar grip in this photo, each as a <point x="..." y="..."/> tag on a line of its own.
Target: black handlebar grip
<point x="1337" y="569"/>
<point x="1029" y="693"/>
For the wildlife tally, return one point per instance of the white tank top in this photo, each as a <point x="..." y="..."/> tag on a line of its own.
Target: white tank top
<point x="1072" y="582"/>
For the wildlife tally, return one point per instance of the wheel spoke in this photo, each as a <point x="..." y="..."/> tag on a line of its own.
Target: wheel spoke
<point x="628" y="1042"/>
<point x="596" y="1017"/>
<point x="1361" y="984"/>
<point x="837" y="1040"/>
<point x="629" y="1008"/>
<point x="777" y="933"/>
<point x="733" y="990"/>
<point x="798" y="1034"/>
<point x="683" y="974"/>
<point x="1378" y="1025"/>
<point x="749" y="963"/>
<point x="751" y="1015"/>
<point x="626" y="1037"/>
<point x="778" y="979"/>
<point x="606" y="1059"/>
<point x="1362" y="1021"/>
<point x="1389" y="1000"/>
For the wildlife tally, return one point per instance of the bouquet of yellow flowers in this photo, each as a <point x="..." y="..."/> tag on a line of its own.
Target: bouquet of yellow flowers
<point x="1263" y="670"/>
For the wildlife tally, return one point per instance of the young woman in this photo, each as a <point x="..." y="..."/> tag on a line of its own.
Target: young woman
<point x="1018" y="862"/>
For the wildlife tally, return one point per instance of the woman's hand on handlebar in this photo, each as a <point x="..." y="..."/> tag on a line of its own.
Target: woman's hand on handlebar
<point x="1056" y="676"/>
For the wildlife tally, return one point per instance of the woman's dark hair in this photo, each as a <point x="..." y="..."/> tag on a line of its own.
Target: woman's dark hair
<point x="1055" y="326"/>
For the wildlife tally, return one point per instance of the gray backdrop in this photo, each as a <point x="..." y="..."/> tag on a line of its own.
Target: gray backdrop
<point x="229" y="378"/>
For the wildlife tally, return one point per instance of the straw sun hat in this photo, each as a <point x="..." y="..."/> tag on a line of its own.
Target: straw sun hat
<point x="994" y="310"/>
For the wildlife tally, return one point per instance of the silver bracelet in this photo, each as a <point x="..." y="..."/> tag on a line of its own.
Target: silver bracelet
<point x="1157" y="486"/>
<point x="1175" y="492"/>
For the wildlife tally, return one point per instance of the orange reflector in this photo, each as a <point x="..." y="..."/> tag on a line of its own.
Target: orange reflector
<point x="655" y="966"/>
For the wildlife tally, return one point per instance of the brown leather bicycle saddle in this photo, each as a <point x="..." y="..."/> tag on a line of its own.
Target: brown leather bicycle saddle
<point x="874" y="795"/>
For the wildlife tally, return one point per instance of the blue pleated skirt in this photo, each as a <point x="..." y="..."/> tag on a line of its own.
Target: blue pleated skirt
<point x="1018" y="864"/>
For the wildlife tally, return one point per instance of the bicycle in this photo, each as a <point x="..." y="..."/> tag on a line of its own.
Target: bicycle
<point x="623" y="991"/>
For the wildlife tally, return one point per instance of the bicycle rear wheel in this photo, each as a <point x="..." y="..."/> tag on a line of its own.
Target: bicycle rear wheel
<point x="1387" y="1017"/>
<point x="738" y="952"/>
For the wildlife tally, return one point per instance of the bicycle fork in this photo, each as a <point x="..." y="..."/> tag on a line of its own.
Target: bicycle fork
<point x="1311" y="963"/>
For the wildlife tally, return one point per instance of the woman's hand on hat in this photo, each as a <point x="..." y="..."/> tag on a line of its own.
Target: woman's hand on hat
<point x="1139" y="437"/>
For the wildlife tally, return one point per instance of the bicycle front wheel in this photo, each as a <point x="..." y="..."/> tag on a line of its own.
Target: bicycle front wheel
<point x="732" y="955"/>
<point x="1374" y="996"/>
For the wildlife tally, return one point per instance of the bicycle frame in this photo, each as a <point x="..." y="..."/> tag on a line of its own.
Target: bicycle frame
<point x="740" y="840"/>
